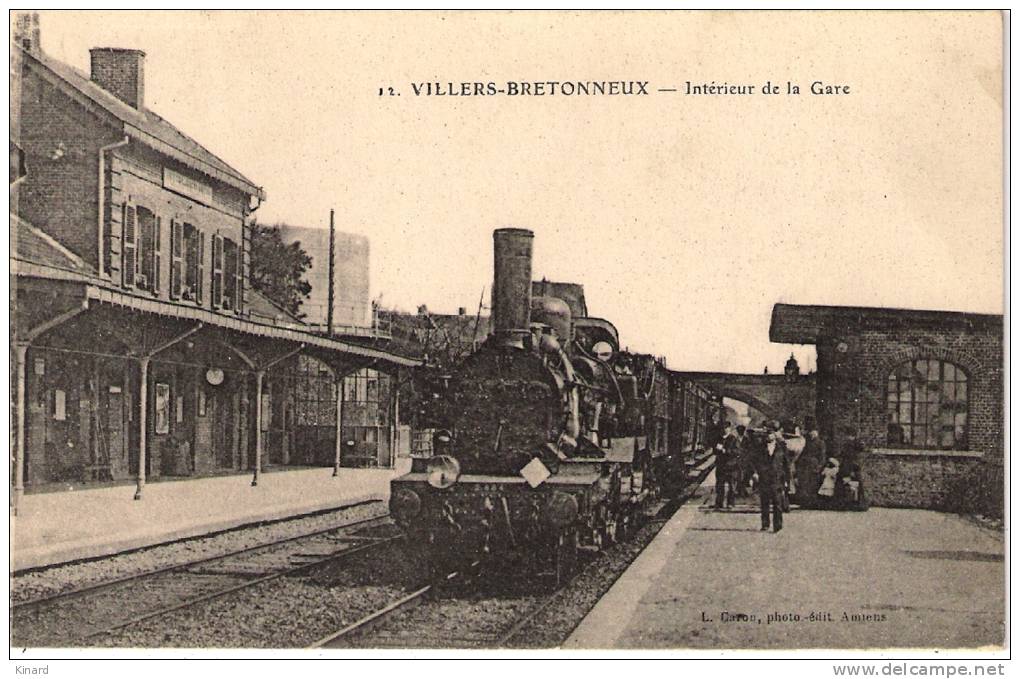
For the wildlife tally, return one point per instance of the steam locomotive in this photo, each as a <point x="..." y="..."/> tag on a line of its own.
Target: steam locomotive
<point x="550" y="438"/>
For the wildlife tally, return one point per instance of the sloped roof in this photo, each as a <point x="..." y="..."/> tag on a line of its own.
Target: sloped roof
<point x="260" y="305"/>
<point x="147" y="126"/>
<point x="31" y="244"/>
<point x="104" y="295"/>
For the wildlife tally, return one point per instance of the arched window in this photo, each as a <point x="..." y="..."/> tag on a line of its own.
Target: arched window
<point x="927" y="405"/>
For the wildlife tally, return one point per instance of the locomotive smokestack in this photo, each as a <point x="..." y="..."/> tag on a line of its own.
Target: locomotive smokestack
<point x="511" y="285"/>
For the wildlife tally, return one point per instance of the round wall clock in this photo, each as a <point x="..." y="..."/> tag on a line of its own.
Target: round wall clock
<point x="214" y="376"/>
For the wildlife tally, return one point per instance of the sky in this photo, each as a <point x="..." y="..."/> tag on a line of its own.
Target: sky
<point x="686" y="217"/>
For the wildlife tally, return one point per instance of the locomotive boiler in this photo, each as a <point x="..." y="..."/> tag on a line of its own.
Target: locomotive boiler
<point x="542" y="446"/>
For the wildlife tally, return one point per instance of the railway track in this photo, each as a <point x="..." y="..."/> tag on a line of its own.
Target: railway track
<point x="378" y="619"/>
<point x="398" y="626"/>
<point x="388" y="627"/>
<point x="425" y="619"/>
<point x="82" y="616"/>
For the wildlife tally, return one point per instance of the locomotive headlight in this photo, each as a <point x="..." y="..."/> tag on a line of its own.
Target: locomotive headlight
<point x="442" y="471"/>
<point x="603" y="350"/>
<point x="405" y="504"/>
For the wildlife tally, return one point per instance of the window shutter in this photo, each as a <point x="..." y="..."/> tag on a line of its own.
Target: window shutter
<point x="157" y="254"/>
<point x="176" y="259"/>
<point x="239" y="288"/>
<point x="130" y="246"/>
<point x="217" y="271"/>
<point x="200" y="278"/>
<point x="227" y="256"/>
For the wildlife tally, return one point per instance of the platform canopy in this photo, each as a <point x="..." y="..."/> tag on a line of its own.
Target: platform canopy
<point x="79" y="287"/>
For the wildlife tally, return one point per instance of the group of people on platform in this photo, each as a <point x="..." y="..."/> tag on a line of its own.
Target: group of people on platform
<point x="785" y="469"/>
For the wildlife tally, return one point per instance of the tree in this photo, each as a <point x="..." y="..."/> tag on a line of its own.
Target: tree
<point x="278" y="269"/>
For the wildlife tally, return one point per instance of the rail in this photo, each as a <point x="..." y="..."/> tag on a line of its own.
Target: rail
<point x="369" y="622"/>
<point x="381" y="628"/>
<point x="31" y="625"/>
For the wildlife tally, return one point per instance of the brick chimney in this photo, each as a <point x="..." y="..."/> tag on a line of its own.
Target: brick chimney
<point x="121" y="72"/>
<point x="26" y="31"/>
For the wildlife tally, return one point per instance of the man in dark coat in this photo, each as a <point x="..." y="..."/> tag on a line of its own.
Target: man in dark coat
<point x="809" y="469"/>
<point x="742" y="472"/>
<point x="715" y="433"/>
<point x="772" y="466"/>
<point x="726" y="461"/>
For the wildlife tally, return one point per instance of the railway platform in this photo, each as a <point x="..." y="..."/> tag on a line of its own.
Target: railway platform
<point x="56" y="527"/>
<point x="884" y="578"/>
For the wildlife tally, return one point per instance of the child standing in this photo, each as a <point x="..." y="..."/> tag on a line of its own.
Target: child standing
<point x="828" y="488"/>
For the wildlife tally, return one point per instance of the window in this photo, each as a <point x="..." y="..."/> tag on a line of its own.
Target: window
<point x="194" y="255"/>
<point x="148" y="264"/>
<point x="313" y="393"/>
<point x="367" y="394"/>
<point x="176" y="259"/>
<point x="351" y="389"/>
<point x="366" y="386"/>
<point x="227" y="273"/>
<point x="927" y="405"/>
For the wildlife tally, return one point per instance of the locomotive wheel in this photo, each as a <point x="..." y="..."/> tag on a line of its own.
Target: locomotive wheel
<point x="419" y="551"/>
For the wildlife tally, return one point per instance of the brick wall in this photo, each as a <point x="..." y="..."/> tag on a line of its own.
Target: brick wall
<point x="120" y="72"/>
<point x="918" y="480"/>
<point x="854" y="363"/>
<point x="61" y="140"/>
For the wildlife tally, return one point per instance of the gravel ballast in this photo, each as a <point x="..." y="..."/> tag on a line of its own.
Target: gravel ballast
<point x="291" y="612"/>
<point x="47" y="582"/>
<point x="298" y="609"/>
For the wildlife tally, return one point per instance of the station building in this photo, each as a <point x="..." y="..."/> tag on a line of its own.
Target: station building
<point x="139" y="347"/>
<point x="922" y="390"/>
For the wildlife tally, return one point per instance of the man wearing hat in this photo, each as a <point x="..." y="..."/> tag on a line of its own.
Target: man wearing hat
<point x="726" y="462"/>
<point x="772" y="465"/>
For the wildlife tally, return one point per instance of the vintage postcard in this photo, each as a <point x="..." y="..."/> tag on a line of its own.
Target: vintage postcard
<point x="671" y="333"/>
